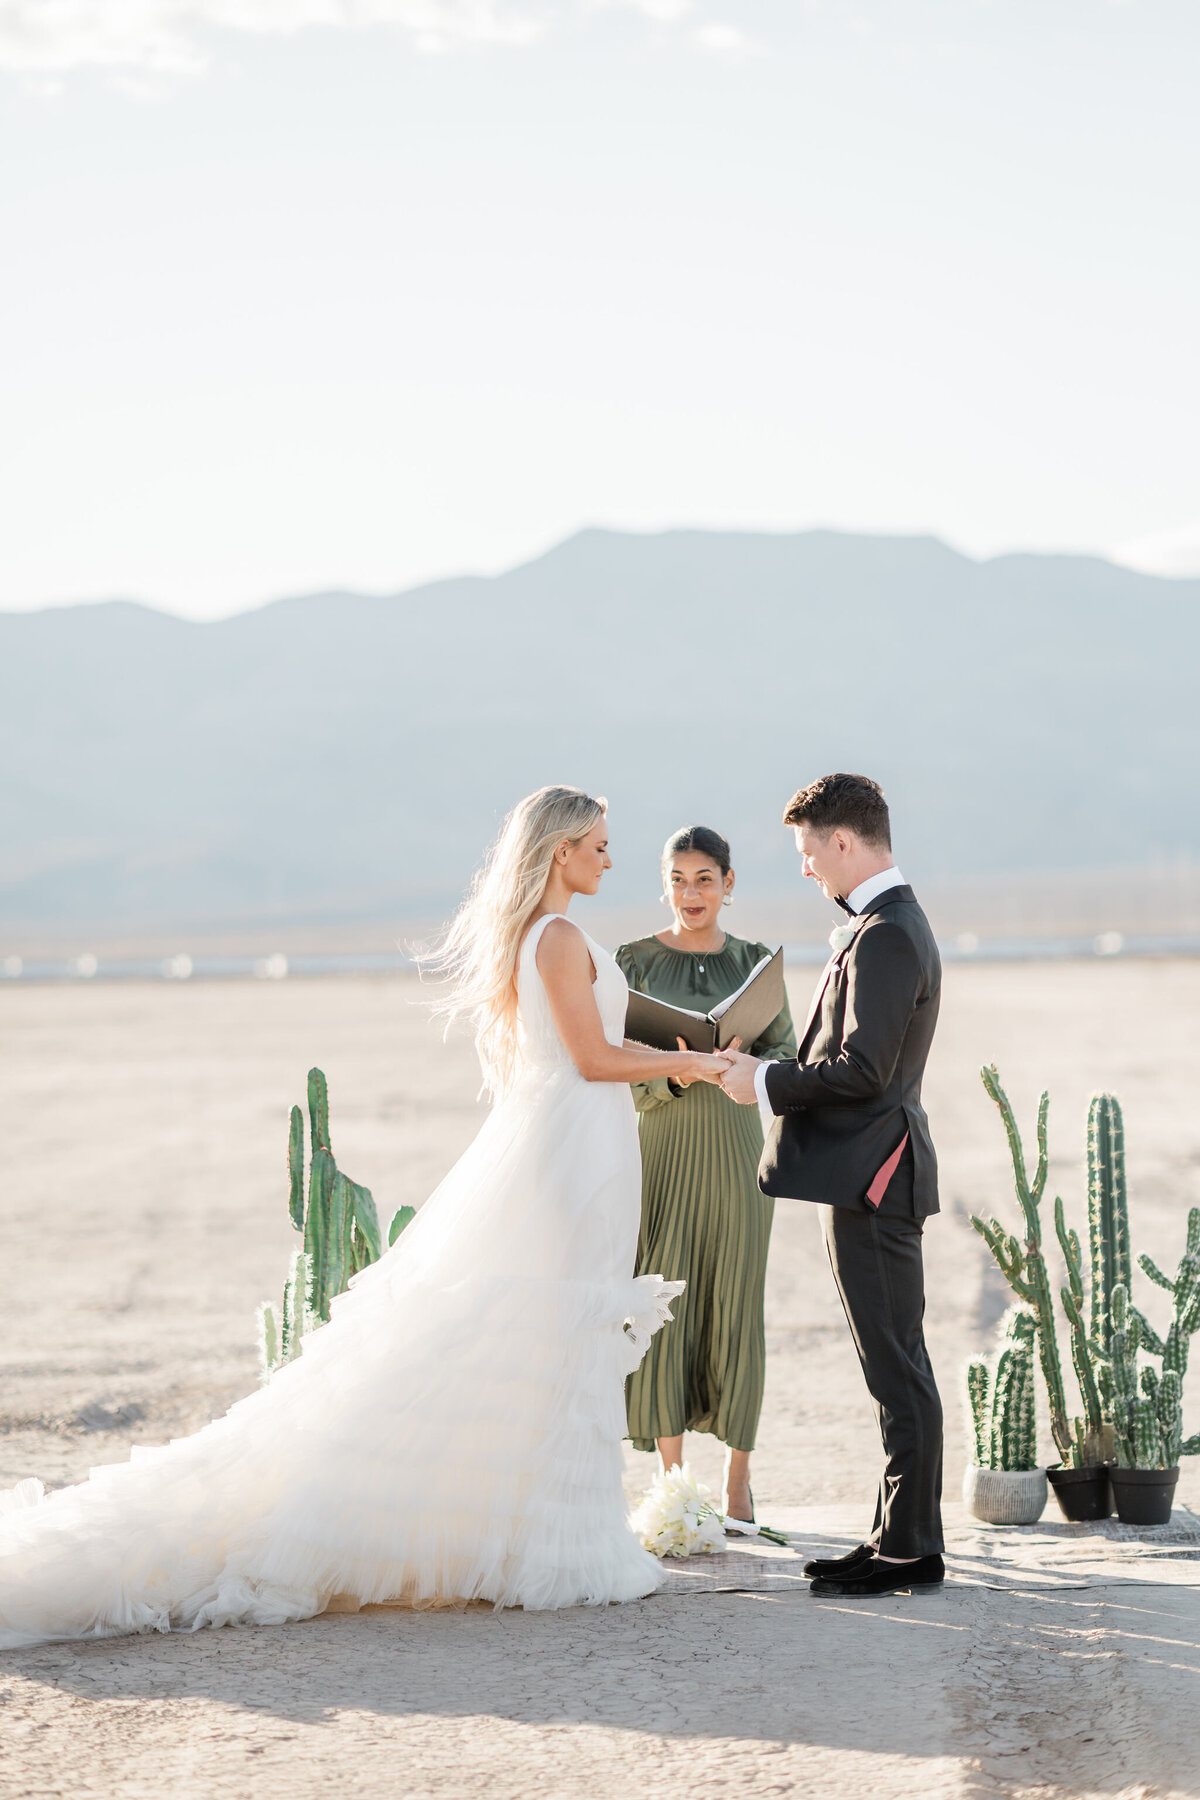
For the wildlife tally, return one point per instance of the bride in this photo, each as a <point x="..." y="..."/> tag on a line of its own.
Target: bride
<point x="454" y="1432"/>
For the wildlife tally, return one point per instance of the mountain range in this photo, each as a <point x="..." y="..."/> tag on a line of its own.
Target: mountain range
<point x="339" y="755"/>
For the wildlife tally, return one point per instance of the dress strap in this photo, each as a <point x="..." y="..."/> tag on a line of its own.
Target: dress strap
<point x="535" y="931"/>
<point x="533" y="935"/>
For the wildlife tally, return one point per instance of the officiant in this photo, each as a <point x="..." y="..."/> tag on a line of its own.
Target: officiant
<point x="704" y="1218"/>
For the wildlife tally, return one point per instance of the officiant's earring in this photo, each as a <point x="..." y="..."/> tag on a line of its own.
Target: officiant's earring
<point x="664" y="899"/>
<point x="728" y="900"/>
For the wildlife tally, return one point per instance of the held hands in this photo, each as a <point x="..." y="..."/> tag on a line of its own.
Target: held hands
<point x="701" y="1067"/>
<point x="738" y="1081"/>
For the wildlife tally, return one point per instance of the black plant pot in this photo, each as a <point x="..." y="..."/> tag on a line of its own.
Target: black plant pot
<point x="1144" y="1496"/>
<point x="1082" y="1493"/>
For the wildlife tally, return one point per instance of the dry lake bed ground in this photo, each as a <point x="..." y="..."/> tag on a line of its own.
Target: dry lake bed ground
<point x="143" y="1216"/>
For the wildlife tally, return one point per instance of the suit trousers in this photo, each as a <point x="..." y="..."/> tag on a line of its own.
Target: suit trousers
<point x="876" y="1262"/>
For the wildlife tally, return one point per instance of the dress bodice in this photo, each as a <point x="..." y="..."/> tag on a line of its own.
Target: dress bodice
<point x="537" y="1034"/>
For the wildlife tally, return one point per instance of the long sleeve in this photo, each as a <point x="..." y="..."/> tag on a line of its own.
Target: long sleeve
<point x="883" y="977"/>
<point x="647" y="1095"/>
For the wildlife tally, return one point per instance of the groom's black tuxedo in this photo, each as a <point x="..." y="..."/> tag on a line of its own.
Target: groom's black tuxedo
<point x="844" y="1106"/>
<point x="850" y="1132"/>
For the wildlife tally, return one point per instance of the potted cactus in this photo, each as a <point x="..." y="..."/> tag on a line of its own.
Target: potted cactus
<point x="1085" y="1443"/>
<point x="1147" y="1405"/>
<point x="1004" y="1485"/>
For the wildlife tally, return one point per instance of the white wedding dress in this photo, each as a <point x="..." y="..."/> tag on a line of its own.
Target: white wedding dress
<point x="454" y="1433"/>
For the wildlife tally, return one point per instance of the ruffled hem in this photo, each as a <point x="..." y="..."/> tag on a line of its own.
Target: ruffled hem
<point x="452" y="1435"/>
<point x="316" y="1489"/>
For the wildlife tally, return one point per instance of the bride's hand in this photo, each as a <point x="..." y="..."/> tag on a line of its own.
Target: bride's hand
<point x="700" y="1067"/>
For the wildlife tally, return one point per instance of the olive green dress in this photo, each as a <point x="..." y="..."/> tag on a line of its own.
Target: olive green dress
<point x="704" y="1218"/>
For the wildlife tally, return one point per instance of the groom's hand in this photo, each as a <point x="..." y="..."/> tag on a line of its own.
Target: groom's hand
<point x="738" y="1079"/>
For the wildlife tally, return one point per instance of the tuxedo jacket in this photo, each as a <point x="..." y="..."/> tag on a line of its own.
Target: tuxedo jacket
<point x="842" y="1109"/>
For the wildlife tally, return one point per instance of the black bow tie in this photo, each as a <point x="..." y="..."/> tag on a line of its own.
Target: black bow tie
<point x="845" y="906"/>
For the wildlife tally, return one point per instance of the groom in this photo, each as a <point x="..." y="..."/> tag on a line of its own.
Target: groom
<point x="848" y="1131"/>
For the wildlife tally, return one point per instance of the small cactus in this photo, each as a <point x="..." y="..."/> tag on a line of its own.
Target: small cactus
<point x="340" y="1228"/>
<point x="1002" y="1401"/>
<point x="979" y="1378"/>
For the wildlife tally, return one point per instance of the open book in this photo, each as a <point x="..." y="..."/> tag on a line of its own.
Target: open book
<point x="744" y="1014"/>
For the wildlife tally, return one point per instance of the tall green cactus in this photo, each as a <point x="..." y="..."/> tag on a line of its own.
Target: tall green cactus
<point x="340" y="1228"/>
<point x="1147" y="1437"/>
<point x="1024" y="1265"/>
<point x="1002" y="1401"/>
<point x="318" y="1110"/>
<point x="1165" y="1396"/>
<point x="1185" y="1292"/>
<point x="296" y="1168"/>
<point x="1108" y="1214"/>
<point x="1168" y="1406"/>
<point x="1126" y="1332"/>
<point x="1093" y="1433"/>
<point x="1129" y="1411"/>
<point x="1088" y="1439"/>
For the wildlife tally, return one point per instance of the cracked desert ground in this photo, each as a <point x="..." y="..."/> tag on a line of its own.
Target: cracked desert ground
<point x="143" y="1217"/>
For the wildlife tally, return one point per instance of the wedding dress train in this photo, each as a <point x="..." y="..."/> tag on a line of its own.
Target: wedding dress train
<point x="453" y="1433"/>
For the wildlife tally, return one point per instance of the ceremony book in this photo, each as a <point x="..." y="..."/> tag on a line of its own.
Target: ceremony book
<point x="744" y="1014"/>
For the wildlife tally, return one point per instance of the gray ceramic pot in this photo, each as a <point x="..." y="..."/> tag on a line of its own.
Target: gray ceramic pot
<point x="1005" y="1496"/>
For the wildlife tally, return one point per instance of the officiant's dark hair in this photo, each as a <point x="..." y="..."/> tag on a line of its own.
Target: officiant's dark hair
<point x="854" y="802"/>
<point x="700" y="839"/>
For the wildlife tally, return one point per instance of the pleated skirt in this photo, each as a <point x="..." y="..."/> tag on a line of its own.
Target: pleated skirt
<point x="704" y="1221"/>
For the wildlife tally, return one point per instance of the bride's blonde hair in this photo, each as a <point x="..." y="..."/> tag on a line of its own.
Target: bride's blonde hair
<point x="479" y="950"/>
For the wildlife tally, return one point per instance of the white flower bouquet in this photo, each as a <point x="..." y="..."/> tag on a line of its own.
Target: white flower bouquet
<point x="678" y="1516"/>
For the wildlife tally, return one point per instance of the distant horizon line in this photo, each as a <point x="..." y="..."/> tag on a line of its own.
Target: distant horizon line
<point x="335" y="591"/>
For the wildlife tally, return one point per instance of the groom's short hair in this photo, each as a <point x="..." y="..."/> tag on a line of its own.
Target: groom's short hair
<point x="854" y="802"/>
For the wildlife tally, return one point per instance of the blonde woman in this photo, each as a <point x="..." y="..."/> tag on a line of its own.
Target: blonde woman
<point x="454" y="1433"/>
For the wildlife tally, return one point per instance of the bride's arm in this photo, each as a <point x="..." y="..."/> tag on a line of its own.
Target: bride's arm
<point x="565" y="966"/>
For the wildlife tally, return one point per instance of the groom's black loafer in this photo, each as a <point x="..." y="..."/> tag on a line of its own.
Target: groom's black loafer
<point x="883" y="1578"/>
<point x="838" y="1567"/>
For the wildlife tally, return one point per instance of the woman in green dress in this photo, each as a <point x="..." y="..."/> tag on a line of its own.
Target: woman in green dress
<point x="704" y="1219"/>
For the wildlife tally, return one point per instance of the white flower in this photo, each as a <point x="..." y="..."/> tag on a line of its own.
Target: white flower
<point x="678" y="1516"/>
<point x="841" y="936"/>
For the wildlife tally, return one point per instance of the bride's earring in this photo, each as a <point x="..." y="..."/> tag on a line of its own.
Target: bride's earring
<point x="728" y="900"/>
<point x="664" y="900"/>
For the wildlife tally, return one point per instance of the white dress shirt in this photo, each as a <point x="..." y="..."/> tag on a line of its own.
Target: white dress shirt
<point x="856" y="900"/>
<point x="872" y="887"/>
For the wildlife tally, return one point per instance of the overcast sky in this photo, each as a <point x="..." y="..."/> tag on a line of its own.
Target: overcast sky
<point x="301" y="293"/>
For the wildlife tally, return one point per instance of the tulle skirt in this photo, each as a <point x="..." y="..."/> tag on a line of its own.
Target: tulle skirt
<point x="453" y="1434"/>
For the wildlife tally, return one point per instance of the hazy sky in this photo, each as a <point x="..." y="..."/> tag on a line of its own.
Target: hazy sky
<point x="301" y="293"/>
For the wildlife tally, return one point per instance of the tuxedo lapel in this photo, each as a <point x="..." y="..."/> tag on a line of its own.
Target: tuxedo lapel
<point x="835" y="962"/>
<point x="814" y="1006"/>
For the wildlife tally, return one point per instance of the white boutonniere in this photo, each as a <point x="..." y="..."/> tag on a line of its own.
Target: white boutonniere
<point x="842" y="936"/>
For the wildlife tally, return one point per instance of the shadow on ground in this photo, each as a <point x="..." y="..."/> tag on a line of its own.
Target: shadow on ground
<point x="967" y="1691"/>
